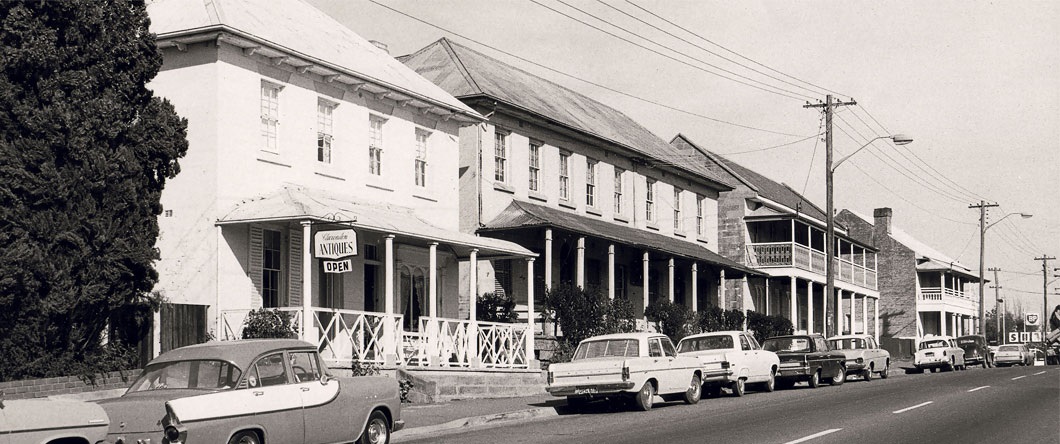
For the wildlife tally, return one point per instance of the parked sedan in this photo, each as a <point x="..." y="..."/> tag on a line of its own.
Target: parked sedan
<point x="249" y="392"/>
<point x="976" y="352"/>
<point x="863" y="356"/>
<point x="1013" y="354"/>
<point x="626" y="366"/>
<point x="806" y="358"/>
<point x="26" y="421"/>
<point x="939" y="352"/>
<point x="731" y="359"/>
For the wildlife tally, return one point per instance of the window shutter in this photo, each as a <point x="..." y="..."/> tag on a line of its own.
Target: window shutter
<point x="255" y="252"/>
<point x="294" y="284"/>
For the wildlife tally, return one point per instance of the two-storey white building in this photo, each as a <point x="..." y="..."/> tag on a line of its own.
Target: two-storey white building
<point x="321" y="179"/>
<point x="603" y="201"/>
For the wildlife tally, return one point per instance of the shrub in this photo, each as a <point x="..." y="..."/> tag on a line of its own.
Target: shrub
<point x="673" y="320"/>
<point x="582" y="313"/>
<point x="765" y="326"/>
<point x="266" y="323"/>
<point x="361" y="368"/>
<point x="716" y="319"/>
<point x="404" y="387"/>
<point x="492" y="307"/>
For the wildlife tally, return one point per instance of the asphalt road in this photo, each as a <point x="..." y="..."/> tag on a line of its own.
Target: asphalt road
<point x="1000" y="405"/>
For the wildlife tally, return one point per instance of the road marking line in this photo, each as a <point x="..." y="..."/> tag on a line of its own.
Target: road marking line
<point x="1019" y="377"/>
<point x="1039" y="373"/>
<point x="913" y="407"/>
<point x="978" y="388"/>
<point x="815" y="435"/>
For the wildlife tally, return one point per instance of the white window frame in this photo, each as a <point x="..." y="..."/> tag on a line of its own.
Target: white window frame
<point x="375" y="145"/>
<point x="699" y="214"/>
<point x="679" y="224"/>
<point x="564" y="176"/>
<point x="590" y="182"/>
<point x="534" y="162"/>
<point x="270" y="116"/>
<point x="500" y="156"/>
<point x="649" y="200"/>
<point x="420" y="164"/>
<point x="325" y="131"/>
<point x="619" y="176"/>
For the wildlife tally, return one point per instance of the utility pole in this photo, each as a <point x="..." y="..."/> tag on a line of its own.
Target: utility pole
<point x="998" y="319"/>
<point x="830" y="297"/>
<point x="982" y="206"/>
<point x="1045" y="292"/>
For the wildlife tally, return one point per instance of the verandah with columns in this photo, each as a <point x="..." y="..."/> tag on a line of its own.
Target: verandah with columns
<point x="801" y="300"/>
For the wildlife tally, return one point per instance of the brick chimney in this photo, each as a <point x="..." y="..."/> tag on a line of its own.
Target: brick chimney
<point x="380" y="45"/>
<point x="882" y="218"/>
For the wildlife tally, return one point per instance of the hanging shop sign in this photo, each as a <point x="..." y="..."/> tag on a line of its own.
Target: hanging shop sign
<point x="342" y="266"/>
<point x="335" y="244"/>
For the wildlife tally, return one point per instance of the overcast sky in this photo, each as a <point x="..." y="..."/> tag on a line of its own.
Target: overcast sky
<point x="975" y="83"/>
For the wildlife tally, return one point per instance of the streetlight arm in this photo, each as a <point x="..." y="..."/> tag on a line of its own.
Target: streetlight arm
<point x="1023" y="215"/>
<point x="836" y="165"/>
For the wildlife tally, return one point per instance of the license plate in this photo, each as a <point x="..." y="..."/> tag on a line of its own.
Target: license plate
<point x="929" y="354"/>
<point x="585" y="391"/>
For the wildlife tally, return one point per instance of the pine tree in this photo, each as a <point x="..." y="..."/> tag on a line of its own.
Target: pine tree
<point x="85" y="150"/>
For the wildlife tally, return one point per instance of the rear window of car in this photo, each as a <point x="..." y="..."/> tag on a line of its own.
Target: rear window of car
<point x="787" y="344"/>
<point x="721" y="342"/>
<point x="1009" y="348"/>
<point x="849" y="344"/>
<point x="933" y="344"/>
<point x="193" y="374"/>
<point x="607" y="348"/>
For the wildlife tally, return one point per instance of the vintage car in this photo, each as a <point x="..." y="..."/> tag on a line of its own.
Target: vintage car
<point x="1013" y="354"/>
<point x="731" y="359"/>
<point x="252" y="391"/>
<point x="864" y="357"/>
<point x="626" y="366"/>
<point x="939" y="352"/>
<point x="976" y="352"/>
<point x="46" y="421"/>
<point x="806" y="358"/>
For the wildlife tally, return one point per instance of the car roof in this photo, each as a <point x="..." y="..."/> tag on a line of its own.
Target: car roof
<point x="936" y="338"/>
<point x="239" y="352"/>
<point x="850" y="337"/>
<point x="634" y="335"/>
<point x="808" y="335"/>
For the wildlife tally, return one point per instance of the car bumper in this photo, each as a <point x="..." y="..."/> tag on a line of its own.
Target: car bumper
<point x="794" y="372"/>
<point x="718" y="375"/>
<point x="1008" y="361"/>
<point x="853" y="366"/>
<point x="398" y="425"/>
<point x="590" y="389"/>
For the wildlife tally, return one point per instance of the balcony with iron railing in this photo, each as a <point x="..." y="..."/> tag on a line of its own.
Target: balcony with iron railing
<point x="791" y="254"/>
<point x="947" y="299"/>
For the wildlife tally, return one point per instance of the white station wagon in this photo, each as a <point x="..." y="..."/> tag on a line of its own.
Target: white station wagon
<point x="633" y="366"/>
<point x="731" y="359"/>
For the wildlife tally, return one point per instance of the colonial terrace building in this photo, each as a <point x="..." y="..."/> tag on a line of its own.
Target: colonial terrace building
<point x="777" y="231"/>
<point x="301" y="129"/>
<point x="603" y="202"/>
<point x="923" y="290"/>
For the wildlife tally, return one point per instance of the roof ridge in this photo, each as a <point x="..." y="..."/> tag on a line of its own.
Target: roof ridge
<point x="447" y="45"/>
<point x="714" y="158"/>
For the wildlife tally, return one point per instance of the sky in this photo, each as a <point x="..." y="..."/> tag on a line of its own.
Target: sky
<point x="976" y="84"/>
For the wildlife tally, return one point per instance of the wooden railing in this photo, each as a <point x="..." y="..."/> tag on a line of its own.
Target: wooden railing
<point x="789" y="254"/>
<point x="462" y="343"/>
<point x="232" y="322"/>
<point x="345" y="336"/>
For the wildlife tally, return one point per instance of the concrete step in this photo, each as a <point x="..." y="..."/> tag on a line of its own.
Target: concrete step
<point x="445" y="385"/>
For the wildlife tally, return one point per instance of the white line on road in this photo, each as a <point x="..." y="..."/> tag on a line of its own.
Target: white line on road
<point x="978" y="388"/>
<point x="1019" y="377"/>
<point x="815" y="435"/>
<point x="911" y="408"/>
<point x="1039" y="373"/>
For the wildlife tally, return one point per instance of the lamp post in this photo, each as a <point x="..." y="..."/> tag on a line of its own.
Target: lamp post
<point x="982" y="206"/>
<point x="829" y="246"/>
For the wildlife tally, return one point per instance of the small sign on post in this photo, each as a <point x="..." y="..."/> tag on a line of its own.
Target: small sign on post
<point x="1032" y="319"/>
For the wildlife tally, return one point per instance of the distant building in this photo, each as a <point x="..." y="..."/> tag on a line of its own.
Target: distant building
<point x="772" y="228"/>
<point x="602" y="201"/>
<point x="306" y="139"/>
<point x="922" y="290"/>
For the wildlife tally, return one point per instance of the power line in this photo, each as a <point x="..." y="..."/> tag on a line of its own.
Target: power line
<point x="930" y="212"/>
<point x="571" y="76"/>
<point x="731" y="51"/>
<point x="779" y="91"/>
<point x="813" y="156"/>
<point x="707" y="50"/>
<point x="683" y="159"/>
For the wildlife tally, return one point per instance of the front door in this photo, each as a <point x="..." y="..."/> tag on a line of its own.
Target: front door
<point x="317" y="400"/>
<point x="412" y="286"/>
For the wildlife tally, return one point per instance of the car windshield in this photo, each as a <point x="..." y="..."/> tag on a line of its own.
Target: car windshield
<point x="720" y="342"/>
<point x="787" y="344"/>
<point x="1009" y="348"/>
<point x="197" y="374"/>
<point x="933" y="344"/>
<point x="628" y="348"/>
<point x="848" y="344"/>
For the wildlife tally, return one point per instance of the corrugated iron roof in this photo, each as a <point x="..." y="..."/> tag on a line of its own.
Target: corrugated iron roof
<point x="466" y="73"/>
<point x="297" y="27"/>
<point x="520" y="214"/>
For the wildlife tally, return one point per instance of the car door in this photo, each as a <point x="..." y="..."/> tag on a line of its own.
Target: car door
<point x="759" y="363"/>
<point x="661" y="367"/>
<point x="320" y="409"/>
<point x="746" y="365"/>
<point x="278" y="399"/>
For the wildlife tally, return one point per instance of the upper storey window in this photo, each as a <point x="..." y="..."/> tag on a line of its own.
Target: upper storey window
<point x="325" y="130"/>
<point x="500" y="157"/>
<point x="564" y="176"/>
<point x="619" y="173"/>
<point x="649" y="201"/>
<point x="535" y="166"/>
<point x="375" y="145"/>
<point x="420" y="166"/>
<point x="270" y="116"/>
<point x="678" y="223"/>
<point x="590" y="183"/>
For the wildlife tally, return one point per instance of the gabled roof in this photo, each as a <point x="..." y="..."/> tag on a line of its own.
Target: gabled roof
<point x="928" y="258"/>
<point x="466" y="73"/>
<point x="764" y="186"/>
<point x="528" y="215"/>
<point x="299" y="30"/>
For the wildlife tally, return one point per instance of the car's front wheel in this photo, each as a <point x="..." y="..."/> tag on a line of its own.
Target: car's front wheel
<point x="377" y="431"/>
<point x="245" y="437"/>
<point x="645" y="397"/>
<point x="695" y="390"/>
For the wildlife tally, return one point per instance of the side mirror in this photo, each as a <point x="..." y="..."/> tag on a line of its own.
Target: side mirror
<point x="324" y="379"/>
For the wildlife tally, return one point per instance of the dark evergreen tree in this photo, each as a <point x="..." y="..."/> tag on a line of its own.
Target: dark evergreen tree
<point x="85" y="150"/>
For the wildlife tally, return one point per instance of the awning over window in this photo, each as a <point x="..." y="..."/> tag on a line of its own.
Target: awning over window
<point x="527" y="215"/>
<point x="295" y="204"/>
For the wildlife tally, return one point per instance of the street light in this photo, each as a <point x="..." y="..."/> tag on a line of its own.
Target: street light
<point x="829" y="247"/>
<point x="982" y="245"/>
